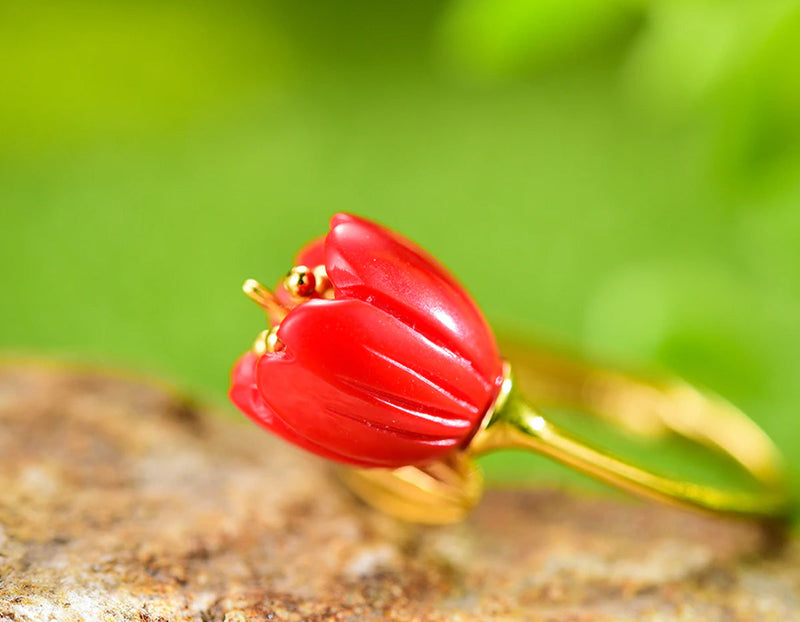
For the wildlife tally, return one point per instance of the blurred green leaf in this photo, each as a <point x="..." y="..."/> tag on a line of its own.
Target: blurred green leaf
<point x="692" y="50"/>
<point x="491" y="39"/>
<point x="73" y="70"/>
<point x="731" y="66"/>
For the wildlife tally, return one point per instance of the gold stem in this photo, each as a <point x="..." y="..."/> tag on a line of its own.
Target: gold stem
<point x="264" y="299"/>
<point x="517" y="425"/>
<point x="646" y="407"/>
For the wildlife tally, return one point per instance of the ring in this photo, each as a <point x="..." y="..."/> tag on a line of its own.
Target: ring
<point x="379" y="360"/>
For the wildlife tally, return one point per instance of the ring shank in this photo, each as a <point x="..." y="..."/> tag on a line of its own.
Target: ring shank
<point x="646" y="408"/>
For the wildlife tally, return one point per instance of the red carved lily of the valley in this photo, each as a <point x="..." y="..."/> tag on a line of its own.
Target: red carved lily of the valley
<point x="378" y="356"/>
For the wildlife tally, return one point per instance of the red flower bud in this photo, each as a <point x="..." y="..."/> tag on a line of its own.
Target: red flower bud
<point x="397" y="368"/>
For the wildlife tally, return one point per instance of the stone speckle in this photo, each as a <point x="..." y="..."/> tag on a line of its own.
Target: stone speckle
<point x="122" y="501"/>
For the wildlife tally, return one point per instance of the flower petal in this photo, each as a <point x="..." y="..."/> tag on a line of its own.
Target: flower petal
<point x="370" y="263"/>
<point x="360" y="382"/>
<point x="312" y="254"/>
<point x="245" y="396"/>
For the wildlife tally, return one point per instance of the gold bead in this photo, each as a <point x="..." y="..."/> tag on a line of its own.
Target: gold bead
<point x="272" y="342"/>
<point x="300" y="282"/>
<point x="260" y="344"/>
<point x="267" y="341"/>
<point x="324" y="287"/>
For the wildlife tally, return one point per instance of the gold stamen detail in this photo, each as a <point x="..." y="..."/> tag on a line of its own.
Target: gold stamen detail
<point x="273" y="343"/>
<point x="267" y="341"/>
<point x="324" y="287"/>
<point x="264" y="298"/>
<point x="300" y="282"/>
<point x="260" y="344"/>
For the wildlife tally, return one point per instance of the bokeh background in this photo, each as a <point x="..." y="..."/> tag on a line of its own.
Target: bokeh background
<point x="621" y="176"/>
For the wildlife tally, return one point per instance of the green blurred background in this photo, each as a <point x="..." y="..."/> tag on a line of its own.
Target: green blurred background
<point x="622" y="176"/>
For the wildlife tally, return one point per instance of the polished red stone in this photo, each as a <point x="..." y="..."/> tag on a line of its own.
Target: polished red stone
<point x="399" y="368"/>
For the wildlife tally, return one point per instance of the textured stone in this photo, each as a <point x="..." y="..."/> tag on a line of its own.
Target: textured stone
<point x="121" y="500"/>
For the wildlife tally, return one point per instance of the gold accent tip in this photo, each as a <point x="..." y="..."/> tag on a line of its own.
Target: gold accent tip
<point x="264" y="299"/>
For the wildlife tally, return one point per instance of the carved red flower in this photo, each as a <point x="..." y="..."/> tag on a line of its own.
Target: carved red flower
<point x="393" y="365"/>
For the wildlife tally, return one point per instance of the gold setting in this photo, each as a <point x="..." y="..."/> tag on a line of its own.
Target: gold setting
<point x="438" y="493"/>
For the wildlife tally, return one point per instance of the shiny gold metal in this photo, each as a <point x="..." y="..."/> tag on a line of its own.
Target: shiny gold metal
<point x="260" y="344"/>
<point x="300" y="282"/>
<point x="645" y="408"/>
<point x="268" y="341"/>
<point x="264" y="298"/>
<point x="438" y="493"/>
<point x="324" y="286"/>
<point x="273" y="343"/>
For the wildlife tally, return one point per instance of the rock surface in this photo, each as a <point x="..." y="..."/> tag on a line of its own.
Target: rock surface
<point x="120" y="500"/>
